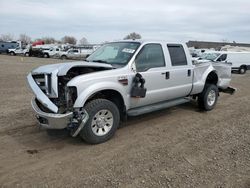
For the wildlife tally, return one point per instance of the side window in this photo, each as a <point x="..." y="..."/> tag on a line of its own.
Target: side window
<point x="150" y="56"/>
<point x="177" y="55"/>
<point x="223" y="57"/>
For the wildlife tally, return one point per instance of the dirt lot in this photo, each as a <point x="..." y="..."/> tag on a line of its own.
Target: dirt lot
<point x="177" y="147"/>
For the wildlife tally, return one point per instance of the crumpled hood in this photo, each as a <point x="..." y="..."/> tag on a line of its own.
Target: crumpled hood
<point x="63" y="68"/>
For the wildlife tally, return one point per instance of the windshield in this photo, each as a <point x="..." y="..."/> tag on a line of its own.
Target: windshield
<point x="209" y="56"/>
<point x="114" y="53"/>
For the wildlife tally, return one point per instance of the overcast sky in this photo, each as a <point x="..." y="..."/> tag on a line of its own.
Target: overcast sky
<point x="108" y="20"/>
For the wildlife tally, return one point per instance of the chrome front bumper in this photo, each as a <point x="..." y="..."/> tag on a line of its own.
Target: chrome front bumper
<point x="50" y="120"/>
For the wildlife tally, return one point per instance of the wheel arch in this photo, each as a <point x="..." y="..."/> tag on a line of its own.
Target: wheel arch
<point x="212" y="78"/>
<point x="114" y="94"/>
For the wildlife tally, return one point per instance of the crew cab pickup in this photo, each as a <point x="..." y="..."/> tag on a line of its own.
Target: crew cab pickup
<point x="18" y="51"/>
<point x="120" y="79"/>
<point x="52" y="52"/>
<point x="76" y="53"/>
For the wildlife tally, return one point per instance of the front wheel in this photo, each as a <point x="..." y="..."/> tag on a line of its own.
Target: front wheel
<point x="103" y="121"/>
<point x="208" y="98"/>
<point x="242" y="70"/>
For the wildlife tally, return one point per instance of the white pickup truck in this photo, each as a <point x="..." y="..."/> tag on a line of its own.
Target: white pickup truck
<point x="120" y="79"/>
<point x="76" y="53"/>
<point x="19" y="51"/>
<point x="52" y="52"/>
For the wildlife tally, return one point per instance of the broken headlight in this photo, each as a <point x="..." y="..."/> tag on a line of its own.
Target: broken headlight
<point x="71" y="95"/>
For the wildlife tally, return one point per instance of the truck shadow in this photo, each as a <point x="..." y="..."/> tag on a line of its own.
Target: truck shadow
<point x="58" y="139"/>
<point x="190" y="106"/>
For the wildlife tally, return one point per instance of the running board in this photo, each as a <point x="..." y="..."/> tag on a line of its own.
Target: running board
<point x="157" y="106"/>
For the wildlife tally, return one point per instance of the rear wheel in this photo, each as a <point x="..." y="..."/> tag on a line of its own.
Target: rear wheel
<point x="64" y="57"/>
<point x="26" y="54"/>
<point x="208" y="98"/>
<point x="103" y="121"/>
<point x="242" y="70"/>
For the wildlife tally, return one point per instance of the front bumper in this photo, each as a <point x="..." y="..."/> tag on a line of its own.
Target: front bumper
<point x="51" y="120"/>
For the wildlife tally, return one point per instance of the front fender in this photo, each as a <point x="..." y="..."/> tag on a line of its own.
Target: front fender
<point x="89" y="91"/>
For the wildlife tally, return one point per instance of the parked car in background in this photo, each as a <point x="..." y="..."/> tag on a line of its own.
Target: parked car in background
<point x="35" y="52"/>
<point x="19" y="51"/>
<point x="5" y="46"/>
<point x="52" y="52"/>
<point x="240" y="60"/>
<point x="120" y="79"/>
<point x="78" y="53"/>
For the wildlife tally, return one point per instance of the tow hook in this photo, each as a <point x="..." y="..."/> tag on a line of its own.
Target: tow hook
<point x="79" y="122"/>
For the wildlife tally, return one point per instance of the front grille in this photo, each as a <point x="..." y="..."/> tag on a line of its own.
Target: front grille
<point x="44" y="82"/>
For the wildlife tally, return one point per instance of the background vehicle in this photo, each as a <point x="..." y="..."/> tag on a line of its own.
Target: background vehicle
<point x="35" y="52"/>
<point x="5" y="46"/>
<point x="52" y="52"/>
<point x="240" y="60"/>
<point x="18" y="51"/>
<point x="120" y="79"/>
<point x="77" y="53"/>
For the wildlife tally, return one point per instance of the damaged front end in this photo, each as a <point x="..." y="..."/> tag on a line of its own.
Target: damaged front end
<point x="56" y="113"/>
<point x="54" y="100"/>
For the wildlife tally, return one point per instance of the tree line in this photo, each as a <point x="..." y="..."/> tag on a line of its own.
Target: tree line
<point x="50" y="40"/>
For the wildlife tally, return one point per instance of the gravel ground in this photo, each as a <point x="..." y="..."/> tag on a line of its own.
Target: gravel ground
<point x="177" y="147"/>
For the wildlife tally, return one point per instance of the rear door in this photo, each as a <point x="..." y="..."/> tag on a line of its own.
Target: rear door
<point x="180" y="71"/>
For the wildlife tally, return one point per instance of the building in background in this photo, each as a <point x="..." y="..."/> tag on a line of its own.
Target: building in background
<point x="214" y="45"/>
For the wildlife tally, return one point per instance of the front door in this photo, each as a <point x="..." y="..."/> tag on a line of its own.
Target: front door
<point x="150" y="63"/>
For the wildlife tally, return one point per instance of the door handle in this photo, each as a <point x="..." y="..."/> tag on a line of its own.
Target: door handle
<point x="166" y="75"/>
<point x="189" y="73"/>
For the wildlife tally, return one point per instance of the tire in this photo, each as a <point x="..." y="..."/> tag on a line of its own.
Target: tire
<point x="46" y="55"/>
<point x="63" y="57"/>
<point x="208" y="98"/>
<point x="242" y="70"/>
<point x="104" y="118"/>
<point x="26" y="54"/>
<point x="12" y="53"/>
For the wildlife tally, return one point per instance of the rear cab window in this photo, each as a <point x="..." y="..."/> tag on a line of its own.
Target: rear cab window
<point x="177" y="55"/>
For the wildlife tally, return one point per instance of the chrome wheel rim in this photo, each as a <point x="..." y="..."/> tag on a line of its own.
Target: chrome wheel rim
<point x="211" y="98"/>
<point x="102" y="122"/>
<point x="242" y="70"/>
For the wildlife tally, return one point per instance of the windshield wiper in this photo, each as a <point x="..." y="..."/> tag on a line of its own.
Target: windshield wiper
<point x="101" y="61"/>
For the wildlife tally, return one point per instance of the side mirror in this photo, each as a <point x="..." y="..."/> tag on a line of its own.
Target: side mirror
<point x="87" y="56"/>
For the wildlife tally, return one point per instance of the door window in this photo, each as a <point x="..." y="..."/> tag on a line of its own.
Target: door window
<point x="223" y="57"/>
<point x="177" y="55"/>
<point x="150" y="56"/>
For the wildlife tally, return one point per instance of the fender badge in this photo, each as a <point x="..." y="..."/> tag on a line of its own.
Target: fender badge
<point x="123" y="80"/>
